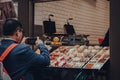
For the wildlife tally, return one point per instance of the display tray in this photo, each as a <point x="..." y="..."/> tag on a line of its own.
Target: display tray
<point x="99" y="59"/>
<point x="79" y="57"/>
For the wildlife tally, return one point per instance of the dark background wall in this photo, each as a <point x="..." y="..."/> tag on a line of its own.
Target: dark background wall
<point x="115" y="39"/>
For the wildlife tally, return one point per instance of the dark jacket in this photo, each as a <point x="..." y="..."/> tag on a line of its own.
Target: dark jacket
<point x="22" y="59"/>
<point x="106" y="39"/>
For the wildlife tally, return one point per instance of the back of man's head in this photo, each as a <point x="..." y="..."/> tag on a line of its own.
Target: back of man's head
<point x="10" y="26"/>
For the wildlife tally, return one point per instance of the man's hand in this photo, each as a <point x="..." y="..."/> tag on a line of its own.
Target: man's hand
<point x="38" y="41"/>
<point x="24" y="40"/>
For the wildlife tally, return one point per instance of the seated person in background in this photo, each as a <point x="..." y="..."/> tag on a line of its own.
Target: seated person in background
<point x="22" y="58"/>
<point x="105" y="42"/>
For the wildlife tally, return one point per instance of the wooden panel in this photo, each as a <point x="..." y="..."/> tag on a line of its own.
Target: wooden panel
<point x="23" y="8"/>
<point x="1" y="24"/>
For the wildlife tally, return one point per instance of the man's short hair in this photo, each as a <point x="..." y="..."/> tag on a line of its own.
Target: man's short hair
<point x="10" y="26"/>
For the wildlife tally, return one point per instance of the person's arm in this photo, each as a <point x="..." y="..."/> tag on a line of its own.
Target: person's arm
<point x="29" y="58"/>
<point x="44" y="52"/>
<point x="41" y="59"/>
